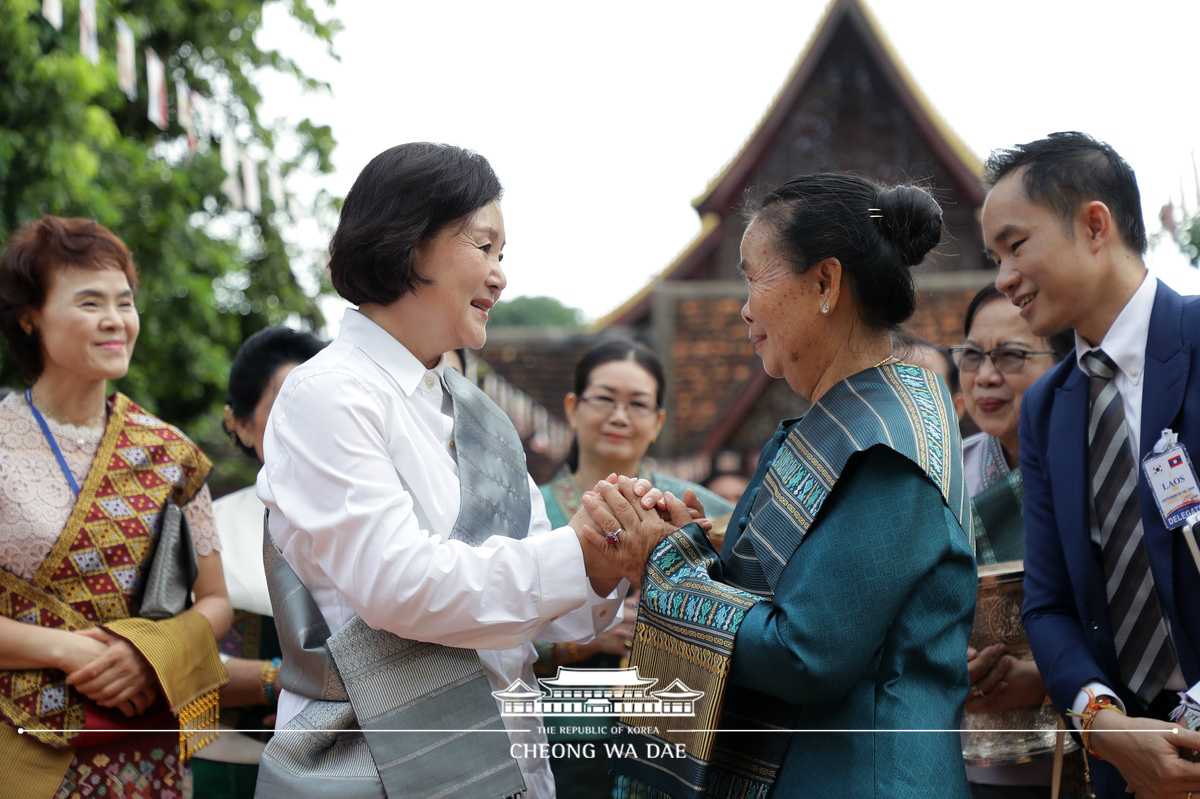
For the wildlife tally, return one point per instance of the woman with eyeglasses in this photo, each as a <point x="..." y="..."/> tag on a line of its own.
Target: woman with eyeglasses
<point x="1001" y="358"/>
<point x="616" y="412"/>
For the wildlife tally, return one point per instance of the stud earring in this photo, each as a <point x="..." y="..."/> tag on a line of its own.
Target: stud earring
<point x="825" y="308"/>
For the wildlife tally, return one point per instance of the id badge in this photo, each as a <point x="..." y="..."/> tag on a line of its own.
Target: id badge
<point x="1173" y="482"/>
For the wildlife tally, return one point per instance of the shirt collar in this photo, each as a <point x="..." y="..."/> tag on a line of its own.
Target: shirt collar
<point x="388" y="353"/>
<point x="1125" y="341"/>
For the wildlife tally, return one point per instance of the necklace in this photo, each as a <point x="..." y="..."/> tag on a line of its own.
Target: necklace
<point x="96" y="422"/>
<point x="887" y="360"/>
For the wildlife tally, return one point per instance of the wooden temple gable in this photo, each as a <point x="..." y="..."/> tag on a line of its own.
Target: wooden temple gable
<point x="847" y="104"/>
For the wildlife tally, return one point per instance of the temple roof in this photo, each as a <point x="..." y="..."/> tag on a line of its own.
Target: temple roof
<point x="725" y="190"/>
<point x="568" y="677"/>
<point x="678" y="691"/>
<point x="519" y="690"/>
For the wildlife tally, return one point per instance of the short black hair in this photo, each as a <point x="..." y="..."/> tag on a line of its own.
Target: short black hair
<point x="606" y="352"/>
<point x="1065" y="170"/>
<point x="404" y="196"/>
<point x="877" y="233"/>
<point x="35" y="254"/>
<point x="1061" y="343"/>
<point x="256" y="362"/>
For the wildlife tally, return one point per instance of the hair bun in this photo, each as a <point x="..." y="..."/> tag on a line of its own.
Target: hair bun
<point x="911" y="220"/>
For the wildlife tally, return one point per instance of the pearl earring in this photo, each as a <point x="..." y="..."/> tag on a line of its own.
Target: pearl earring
<point x="825" y="308"/>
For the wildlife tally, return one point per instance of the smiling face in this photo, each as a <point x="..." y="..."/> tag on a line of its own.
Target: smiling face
<point x="464" y="264"/>
<point x="88" y="325"/>
<point x="780" y="309"/>
<point x="1047" y="272"/>
<point x="622" y="435"/>
<point x="994" y="397"/>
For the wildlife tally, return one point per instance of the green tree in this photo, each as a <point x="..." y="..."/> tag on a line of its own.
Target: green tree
<point x="1189" y="239"/>
<point x="72" y="144"/>
<point x="533" y="312"/>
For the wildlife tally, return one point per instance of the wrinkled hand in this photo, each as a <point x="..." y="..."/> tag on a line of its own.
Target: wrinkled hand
<point x="118" y="677"/>
<point x="1021" y="686"/>
<point x="616" y="507"/>
<point x="1149" y="761"/>
<point x="695" y="509"/>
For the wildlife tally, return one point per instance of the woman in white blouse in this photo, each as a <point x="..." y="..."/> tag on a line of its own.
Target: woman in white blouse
<point x="371" y="493"/>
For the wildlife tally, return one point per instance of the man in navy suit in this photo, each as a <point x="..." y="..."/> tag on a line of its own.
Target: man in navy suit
<point x="1063" y="223"/>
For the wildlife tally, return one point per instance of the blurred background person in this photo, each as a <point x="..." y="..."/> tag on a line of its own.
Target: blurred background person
<point x="85" y="477"/>
<point x="729" y="486"/>
<point x="998" y="360"/>
<point x="615" y="409"/>
<point x="228" y="768"/>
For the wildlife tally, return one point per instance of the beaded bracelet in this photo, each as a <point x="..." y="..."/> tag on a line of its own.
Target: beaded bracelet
<point x="1093" y="708"/>
<point x="267" y="676"/>
<point x="573" y="652"/>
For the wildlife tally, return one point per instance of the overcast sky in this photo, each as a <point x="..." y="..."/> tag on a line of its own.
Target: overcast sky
<point x="605" y="121"/>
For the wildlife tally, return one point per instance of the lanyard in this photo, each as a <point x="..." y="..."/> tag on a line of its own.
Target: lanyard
<point x="62" y="462"/>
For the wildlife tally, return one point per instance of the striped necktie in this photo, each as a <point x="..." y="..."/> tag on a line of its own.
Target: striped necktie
<point x="1145" y="656"/>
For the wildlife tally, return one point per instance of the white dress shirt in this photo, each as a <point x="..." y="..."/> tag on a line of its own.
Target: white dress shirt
<point x="362" y="486"/>
<point x="1125" y="343"/>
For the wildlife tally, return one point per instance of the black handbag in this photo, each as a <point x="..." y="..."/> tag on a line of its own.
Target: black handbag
<point x="168" y="587"/>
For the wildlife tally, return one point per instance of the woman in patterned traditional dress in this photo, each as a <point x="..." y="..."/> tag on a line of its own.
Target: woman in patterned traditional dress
<point x="841" y="601"/>
<point x="84" y="479"/>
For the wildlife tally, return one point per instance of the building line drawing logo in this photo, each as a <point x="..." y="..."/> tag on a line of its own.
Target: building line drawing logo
<point x="597" y="692"/>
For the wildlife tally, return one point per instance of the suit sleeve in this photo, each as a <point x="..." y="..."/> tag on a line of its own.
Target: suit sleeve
<point x="1052" y="621"/>
<point x="882" y="533"/>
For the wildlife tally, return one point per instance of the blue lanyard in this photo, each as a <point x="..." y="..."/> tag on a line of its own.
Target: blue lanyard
<point x="62" y="462"/>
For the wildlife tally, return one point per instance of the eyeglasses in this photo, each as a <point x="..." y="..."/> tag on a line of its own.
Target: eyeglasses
<point x="1006" y="359"/>
<point x="606" y="405"/>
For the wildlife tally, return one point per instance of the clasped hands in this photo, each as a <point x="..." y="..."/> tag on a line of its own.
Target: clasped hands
<point x="1001" y="682"/>
<point x="108" y="670"/>
<point x="620" y="523"/>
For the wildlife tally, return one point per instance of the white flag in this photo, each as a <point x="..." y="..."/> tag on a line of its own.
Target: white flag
<point x="156" y="88"/>
<point x="52" y="11"/>
<point x="126" y="61"/>
<point x="89" y="39"/>
<point x="201" y="116"/>
<point x="275" y="186"/>
<point x="231" y="186"/>
<point x="183" y="112"/>
<point x="252" y="198"/>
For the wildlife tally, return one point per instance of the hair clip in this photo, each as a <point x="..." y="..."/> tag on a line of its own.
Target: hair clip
<point x="875" y="213"/>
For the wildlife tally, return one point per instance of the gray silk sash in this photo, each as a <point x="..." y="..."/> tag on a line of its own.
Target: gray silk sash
<point x="394" y="717"/>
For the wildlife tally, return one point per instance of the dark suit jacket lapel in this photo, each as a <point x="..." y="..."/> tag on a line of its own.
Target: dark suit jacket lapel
<point x="1166" y="379"/>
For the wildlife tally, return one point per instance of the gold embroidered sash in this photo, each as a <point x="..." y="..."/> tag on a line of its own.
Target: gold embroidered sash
<point x="93" y="573"/>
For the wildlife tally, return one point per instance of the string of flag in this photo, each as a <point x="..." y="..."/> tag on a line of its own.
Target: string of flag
<point x="199" y="116"/>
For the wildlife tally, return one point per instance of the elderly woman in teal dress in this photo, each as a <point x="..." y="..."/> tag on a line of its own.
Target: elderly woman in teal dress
<point x="827" y="637"/>
<point x="615" y="410"/>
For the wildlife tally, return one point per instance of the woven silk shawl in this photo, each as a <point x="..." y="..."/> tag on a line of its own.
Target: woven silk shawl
<point x="432" y="727"/>
<point x="999" y="526"/>
<point x="688" y="620"/>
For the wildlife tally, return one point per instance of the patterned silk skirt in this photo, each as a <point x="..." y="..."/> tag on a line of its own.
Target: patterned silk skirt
<point x="141" y="766"/>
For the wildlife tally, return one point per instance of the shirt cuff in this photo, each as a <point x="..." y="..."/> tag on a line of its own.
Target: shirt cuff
<point x="564" y="584"/>
<point x="1082" y="698"/>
